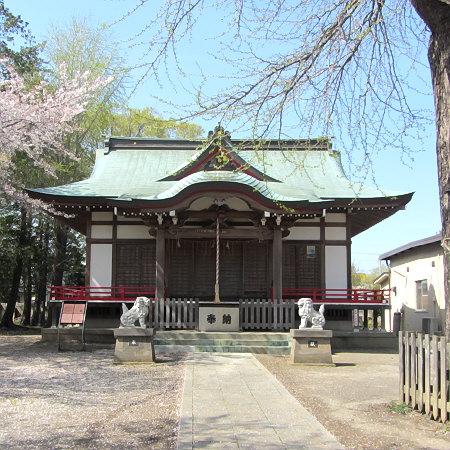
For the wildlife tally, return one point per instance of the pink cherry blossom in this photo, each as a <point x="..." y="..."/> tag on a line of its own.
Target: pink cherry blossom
<point x="35" y="119"/>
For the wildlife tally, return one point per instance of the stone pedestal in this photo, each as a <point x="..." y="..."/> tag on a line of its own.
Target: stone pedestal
<point x="134" y="345"/>
<point x="311" y="347"/>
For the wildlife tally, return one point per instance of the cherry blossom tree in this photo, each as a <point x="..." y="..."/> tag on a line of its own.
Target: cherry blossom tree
<point x="35" y="119"/>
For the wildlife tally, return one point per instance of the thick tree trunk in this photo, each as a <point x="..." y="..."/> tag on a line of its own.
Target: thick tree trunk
<point x="38" y="317"/>
<point x="28" y="277"/>
<point x="8" y="317"/>
<point x="436" y="14"/>
<point x="60" y="253"/>
<point x="28" y="293"/>
<point x="59" y="261"/>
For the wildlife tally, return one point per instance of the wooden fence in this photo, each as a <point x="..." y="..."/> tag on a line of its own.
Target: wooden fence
<point x="174" y="313"/>
<point x="424" y="374"/>
<point x="181" y="313"/>
<point x="267" y="314"/>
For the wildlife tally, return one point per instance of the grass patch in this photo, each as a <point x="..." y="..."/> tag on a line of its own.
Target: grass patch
<point x="400" y="408"/>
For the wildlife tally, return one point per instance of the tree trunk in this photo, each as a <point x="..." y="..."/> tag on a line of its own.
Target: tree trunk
<point x="28" y="288"/>
<point x="59" y="261"/>
<point x="8" y="317"/>
<point x="436" y="14"/>
<point x="38" y="317"/>
<point x="60" y="253"/>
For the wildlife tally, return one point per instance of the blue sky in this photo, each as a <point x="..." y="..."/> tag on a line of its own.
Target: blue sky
<point x="421" y="217"/>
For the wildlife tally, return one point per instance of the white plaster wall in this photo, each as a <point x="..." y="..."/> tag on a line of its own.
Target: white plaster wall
<point x="404" y="274"/>
<point x="101" y="232"/>
<point x="101" y="265"/>
<point x="102" y="216"/>
<point x="335" y="267"/>
<point x="336" y="217"/>
<point x="303" y="233"/>
<point x="335" y="233"/>
<point x="133" y="232"/>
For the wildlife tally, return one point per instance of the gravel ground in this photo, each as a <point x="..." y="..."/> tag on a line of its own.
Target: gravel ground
<point x="83" y="400"/>
<point x="352" y="401"/>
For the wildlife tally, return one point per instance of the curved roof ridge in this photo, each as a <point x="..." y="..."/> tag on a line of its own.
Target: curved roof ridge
<point x="222" y="176"/>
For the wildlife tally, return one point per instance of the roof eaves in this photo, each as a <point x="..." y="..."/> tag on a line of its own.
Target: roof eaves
<point x="411" y="245"/>
<point x="381" y="278"/>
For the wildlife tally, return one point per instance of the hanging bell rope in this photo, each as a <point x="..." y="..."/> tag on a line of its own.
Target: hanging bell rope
<point x="216" y="287"/>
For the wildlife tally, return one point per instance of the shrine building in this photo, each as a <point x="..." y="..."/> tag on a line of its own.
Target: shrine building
<point x="219" y="220"/>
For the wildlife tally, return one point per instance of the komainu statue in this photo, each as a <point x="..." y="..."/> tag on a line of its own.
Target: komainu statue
<point x="138" y="311"/>
<point x="307" y="314"/>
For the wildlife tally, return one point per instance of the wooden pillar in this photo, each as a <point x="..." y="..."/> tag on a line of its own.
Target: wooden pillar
<point x="375" y="319"/>
<point x="160" y="263"/>
<point x="277" y="265"/>
<point x="366" y="320"/>
<point x="383" y="319"/>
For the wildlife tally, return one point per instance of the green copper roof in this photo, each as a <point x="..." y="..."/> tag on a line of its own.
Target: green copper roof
<point x="132" y="169"/>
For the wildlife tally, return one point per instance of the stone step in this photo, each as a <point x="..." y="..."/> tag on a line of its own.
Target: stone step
<point x="199" y="335"/>
<point x="278" y="350"/>
<point x="222" y="342"/>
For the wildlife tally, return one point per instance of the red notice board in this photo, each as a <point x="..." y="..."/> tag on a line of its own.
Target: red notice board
<point x="73" y="313"/>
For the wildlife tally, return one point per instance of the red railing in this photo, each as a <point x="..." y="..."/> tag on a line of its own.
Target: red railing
<point x="95" y="293"/>
<point x="340" y="296"/>
<point x="128" y="294"/>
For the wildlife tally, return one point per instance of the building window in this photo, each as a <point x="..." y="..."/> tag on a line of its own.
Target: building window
<point x="422" y="294"/>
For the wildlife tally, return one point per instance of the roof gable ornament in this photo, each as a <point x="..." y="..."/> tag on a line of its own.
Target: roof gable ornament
<point x="218" y="154"/>
<point x="219" y="131"/>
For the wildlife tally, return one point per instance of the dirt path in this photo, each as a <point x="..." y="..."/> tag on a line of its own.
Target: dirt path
<point x="82" y="400"/>
<point x="351" y="400"/>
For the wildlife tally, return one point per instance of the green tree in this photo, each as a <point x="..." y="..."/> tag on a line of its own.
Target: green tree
<point x="16" y="42"/>
<point x="18" y="48"/>
<point x="30" y="165"/>
<point x="362" y="280"/>
<point x="143" y="122"/>
<point x="83" y="48"/>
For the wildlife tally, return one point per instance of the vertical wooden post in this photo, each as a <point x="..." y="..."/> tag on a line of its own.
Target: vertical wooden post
<point x="401" y="355"/>
<point x="444" y="381"/>
<point x="426" y="348"/>
<point x="366" y="320"/>
<point x="413" y="370"/>
<point x="383" y="320"/>
<point x="375" y="319"/>
<point x="420" y="371"/>
<point x="160" y="263"/>
<point x="277" y="265"/>
<point x="434" y="376"/>
<point x="408" y="338"/>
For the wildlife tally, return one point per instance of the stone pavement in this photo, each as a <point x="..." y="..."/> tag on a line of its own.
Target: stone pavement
<point x="232" y="401"/>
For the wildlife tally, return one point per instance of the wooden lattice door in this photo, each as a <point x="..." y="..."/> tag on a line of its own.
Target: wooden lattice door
<point x="135" y="264"/>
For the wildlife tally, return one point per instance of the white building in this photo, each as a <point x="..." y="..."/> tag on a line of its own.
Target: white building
<point x="416" y="280"/>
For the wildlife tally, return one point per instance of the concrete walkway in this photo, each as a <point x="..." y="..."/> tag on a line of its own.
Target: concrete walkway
<point x="232" y="401"/>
